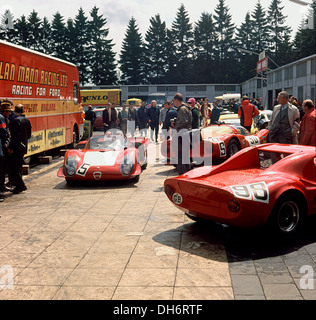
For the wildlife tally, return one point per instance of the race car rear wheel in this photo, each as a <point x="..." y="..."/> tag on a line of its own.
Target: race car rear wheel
<point x="288" y="215"/>
<point x="232" y="148"/>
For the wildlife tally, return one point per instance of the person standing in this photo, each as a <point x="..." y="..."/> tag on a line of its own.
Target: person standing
<point x="216" y="112"/>
<point x="1" y="167"/>
<point x="91" y="117"/>
<point x="123" y="120"/>
<point x="195" y="113"/>
<point x="308" y="124"/>
<point x="5" y="111"/>
<point x="284" y="123"/>
<point x="183" y="123"/>
<point x="246" y="113"/>
<point x="109" y="117"/>
<point x="205" y="111"/>
<point x="171" y="115"/>
<point x="21" y="130"/>
<point x="153" y="115"/>
<point x="131" y="120"/>
<point x="142" y="114"/>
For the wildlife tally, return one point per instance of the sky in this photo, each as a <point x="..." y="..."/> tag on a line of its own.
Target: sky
<point x="119" y="12"/>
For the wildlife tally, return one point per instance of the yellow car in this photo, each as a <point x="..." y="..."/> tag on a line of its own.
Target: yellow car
<point x="232" y="118"/>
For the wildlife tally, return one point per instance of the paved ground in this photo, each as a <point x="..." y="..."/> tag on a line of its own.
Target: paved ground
<point x="120" y="241"/>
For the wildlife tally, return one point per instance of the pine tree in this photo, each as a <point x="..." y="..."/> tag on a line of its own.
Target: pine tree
<point x="244" y="38"/>
<point x="7" y="26"/>
<point x="182" y="35"/>
<point x="205" y="41"/>
<point x="70" y="41"/>
<point x="21" y="34"/>
<point x="34" y="26"/>
<point x="278" y="33"/>
<point x="226" y="44"/>
<point x="102" y="60"/>
<point x="131" y="56"/>
<point x="305" y="42"/>
<point x="260" y="29"/>
<point x="155" y="49"/>
<point x="58" y="36"/>
<point x="45" y="43"/>
<point x="81" y="49"/>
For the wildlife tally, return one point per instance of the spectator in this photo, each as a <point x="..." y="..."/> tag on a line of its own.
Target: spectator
<point x="21" y="130"/>
<point x="205" y="110"/>
<point x="216" y="112"/>
<point x="284" y="123"/>
<point x="109" y="117"/>
<point x="195" y="113"/>
<point x="131" y="120"/>
<point x="308" y="124"/>
<point x="183" y="122"/>
<point x="5" y="111"/>
<point x="246" y="112"/>
<point x="91" y="117"/>
<point x="123" y="120"/>
<point x="142" y="115"/>
<point x="171" y="115"/>
<point x="153" y="115"/>
<point x="1" y="167"/>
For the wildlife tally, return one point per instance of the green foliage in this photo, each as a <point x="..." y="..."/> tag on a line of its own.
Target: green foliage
<point x="202" y="52"/>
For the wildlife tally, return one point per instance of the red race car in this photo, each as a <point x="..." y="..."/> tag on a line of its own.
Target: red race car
<point x="108" y="157"/>
<point x="215" y="143"/>
<point x="271" y="184"/>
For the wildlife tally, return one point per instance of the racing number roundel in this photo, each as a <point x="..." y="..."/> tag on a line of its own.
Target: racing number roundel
<point x="177" y="198"/>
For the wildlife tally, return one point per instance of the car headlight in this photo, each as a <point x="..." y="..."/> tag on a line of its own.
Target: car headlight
<point x="127" y="165"/>
<point x="71" y="166"/>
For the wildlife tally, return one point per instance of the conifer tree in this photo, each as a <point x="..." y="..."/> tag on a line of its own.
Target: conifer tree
<point x="34" y="28"/>
<point x="131" y="56"/>
<point x="155" y="49"/>
<point x="102" y="60"/>
<point x="21" y="34"/>
<point x="58" y="36"/>
<point x="279" y="33"/>
<point x="205" y="41"/>
<point x="182" y="36"/>
<point x="45" y="43"/>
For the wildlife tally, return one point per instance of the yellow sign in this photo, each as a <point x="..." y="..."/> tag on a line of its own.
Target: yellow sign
<point x="36" y="143"/>
<point x="55" y="138"/>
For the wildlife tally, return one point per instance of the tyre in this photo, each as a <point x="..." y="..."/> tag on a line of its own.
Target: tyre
<point x="27" y="160"/>
<point x="232" y="148"/>
<point x="288" y="215"/>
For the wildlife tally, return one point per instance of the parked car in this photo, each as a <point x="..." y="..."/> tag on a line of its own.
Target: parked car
<point x="271" y="184"/>
<point x="106" y="157"/>
<point x="216" y="143"/>
<point x="98" y="125"/>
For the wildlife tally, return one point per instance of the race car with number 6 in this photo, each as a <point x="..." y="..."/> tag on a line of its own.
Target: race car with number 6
<point x="216" y="143"/>
<point x="268" y="185"/>
<point x="108" y="157"/>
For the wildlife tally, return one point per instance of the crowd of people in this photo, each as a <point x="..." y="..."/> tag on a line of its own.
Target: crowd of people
<point x="15" y="131"/>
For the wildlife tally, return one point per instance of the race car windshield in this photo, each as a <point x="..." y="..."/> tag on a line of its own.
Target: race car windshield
<point x="216" y="131"/>
<point x="111" y="142"/>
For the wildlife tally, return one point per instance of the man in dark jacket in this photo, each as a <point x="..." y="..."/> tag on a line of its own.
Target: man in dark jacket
<point x="143" y="118"/>
<point x="171" y="116"/>
<point x="21" y="130"/>
<point x="153" y="115"/>
<point x="109" y="117"/>
<point x="90" y="116"/>
<point x="183" y="125"/>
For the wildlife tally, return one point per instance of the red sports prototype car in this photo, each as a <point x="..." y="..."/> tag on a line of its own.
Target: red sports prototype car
<point x="215" y="143"/>
<point x="108" y="157"/>
<point x="271" y="184"/>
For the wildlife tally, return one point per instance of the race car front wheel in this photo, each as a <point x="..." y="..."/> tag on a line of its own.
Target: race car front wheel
<point x="232" y="148"/>
<point x="288" y="215"/>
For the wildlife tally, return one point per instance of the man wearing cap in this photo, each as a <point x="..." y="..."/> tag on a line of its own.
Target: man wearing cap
<point x="5" y="111"/>
<point x="195" y="113"/>
<point x="21" y="129"/>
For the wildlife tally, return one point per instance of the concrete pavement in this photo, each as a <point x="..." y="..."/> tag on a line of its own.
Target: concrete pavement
<point x="117" y="241"/>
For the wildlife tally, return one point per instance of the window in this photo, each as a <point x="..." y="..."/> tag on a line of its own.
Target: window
<point x="313" y="66"/>
<point x="278" y="76"/>
<point x="301" y="70"/>
<point x="288" y="73"/>
<point x="133" y="89"/>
